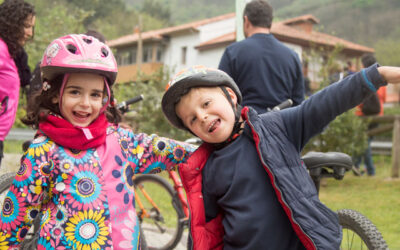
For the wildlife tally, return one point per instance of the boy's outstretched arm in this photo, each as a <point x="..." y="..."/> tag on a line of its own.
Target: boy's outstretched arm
<point x="390" y="74"/>
<point x="311" y="117"/>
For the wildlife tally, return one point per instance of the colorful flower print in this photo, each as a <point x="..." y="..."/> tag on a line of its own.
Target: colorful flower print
<point x="125" y="175"/>
<point x="19" y="235"/>
<point x="12" y="214"/>
<point x="84" y="188"/>
<point x="3" y="243"/>
<point x="77" y="157"/>
<point x="154" y="164"/>
<point x="131" y="232"/>
<point x="178" y="154"/>
<point x="57" y="233"/>
<point x="43" y="244"/>
<point x="31" y="213"/>
<point x="26" y="172"/>
<point x="44" y="166"/>
<point x="126" y="144"/>
<point x="61" y="215"/>
<point x="87" y="230"/>
<point x="161" y="146"/>
<point x="47" y="221"/>
<point x="40" y="146"/>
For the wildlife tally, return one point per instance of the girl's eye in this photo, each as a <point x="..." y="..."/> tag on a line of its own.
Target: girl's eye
<point x="97" y="95"/>
<point x="193" y="120"/>
<point x="74" y="92"/>
<point x="206" y="104"/>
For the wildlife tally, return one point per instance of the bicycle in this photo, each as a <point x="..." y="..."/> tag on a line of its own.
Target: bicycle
<point x="7" y="179"/>
<point x="358" y="231"/>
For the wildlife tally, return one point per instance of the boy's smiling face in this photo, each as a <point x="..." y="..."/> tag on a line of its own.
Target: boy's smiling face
<point x="208" y="113"/>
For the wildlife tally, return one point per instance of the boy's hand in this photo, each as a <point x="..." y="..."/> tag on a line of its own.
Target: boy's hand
<point x="390" y="74"/>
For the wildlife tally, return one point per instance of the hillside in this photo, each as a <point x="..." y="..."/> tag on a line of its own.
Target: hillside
<point x="361" y="21"/>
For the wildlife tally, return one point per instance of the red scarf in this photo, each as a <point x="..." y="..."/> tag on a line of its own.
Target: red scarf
<point x="67" y="135"/>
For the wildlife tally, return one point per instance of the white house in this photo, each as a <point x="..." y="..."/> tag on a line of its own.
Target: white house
<point x="203" y="42"/>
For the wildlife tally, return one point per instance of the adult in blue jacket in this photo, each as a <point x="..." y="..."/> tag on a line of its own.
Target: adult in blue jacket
<point x="266" y="71"/>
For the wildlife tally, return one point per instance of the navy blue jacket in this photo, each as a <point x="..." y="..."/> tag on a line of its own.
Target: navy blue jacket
<point x="266" y="71"/>
<point x="279" y="138"/>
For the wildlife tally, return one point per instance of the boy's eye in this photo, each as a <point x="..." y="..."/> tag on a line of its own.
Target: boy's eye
<point x="206" y="104"/>
<point x="193" y="119"/>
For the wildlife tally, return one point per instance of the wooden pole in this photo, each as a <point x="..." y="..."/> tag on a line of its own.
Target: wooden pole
<point x="139" y="55"/>
<point x="396" y="148"/>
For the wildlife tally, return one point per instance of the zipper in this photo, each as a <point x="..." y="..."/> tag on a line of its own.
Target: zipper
<point x="273" y="184"/>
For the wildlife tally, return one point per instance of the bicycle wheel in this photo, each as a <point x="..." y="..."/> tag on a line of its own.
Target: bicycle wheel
<point x="359" y="232"/>
<point x="31" y="238"/>
<point x="5" y="183"/>
<point x="160" y="212"/>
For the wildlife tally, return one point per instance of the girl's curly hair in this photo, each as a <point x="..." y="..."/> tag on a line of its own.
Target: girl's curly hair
<point x="13" y="15"/>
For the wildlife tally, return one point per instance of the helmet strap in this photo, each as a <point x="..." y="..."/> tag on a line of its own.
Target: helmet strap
<point x="237" y="126"/>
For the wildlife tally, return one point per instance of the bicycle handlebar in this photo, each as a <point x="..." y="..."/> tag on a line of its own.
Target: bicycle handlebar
<point x="123" y="106"/>
<point x="286" y="104"/>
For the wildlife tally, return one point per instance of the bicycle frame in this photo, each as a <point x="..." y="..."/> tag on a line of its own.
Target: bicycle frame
<point x="178" y="187"/>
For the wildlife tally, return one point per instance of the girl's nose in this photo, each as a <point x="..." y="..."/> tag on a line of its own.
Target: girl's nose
<point x="85" y="100"/>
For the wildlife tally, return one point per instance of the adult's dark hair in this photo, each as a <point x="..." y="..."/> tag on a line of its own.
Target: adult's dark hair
<point x="13" y="17"/>
<point x="259" y="13"/>
<point x="97" y="35"/>
<point x="368" y="60"/>
<point x="41" y="104"/>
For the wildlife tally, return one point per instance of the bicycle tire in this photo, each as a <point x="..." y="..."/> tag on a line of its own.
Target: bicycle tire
<point x="359" y="231"/>
<point x="30" y="242"/>
<point x="152" y="235"/>
<point x="5" y="183"/>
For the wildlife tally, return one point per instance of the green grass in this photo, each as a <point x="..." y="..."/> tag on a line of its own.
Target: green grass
<point x="376" y="197"/>
<point x="13" y="146"/>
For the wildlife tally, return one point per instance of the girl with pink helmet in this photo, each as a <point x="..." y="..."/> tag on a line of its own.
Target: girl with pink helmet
<point x="78" y="171"/>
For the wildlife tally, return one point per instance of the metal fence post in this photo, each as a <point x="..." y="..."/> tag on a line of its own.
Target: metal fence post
<point x="396" y="147"/>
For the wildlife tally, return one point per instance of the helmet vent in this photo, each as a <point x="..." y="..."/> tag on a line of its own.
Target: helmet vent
<point x="71" y="48"/>
<point x="104" y="51"/>
<point x="87" y="40"/>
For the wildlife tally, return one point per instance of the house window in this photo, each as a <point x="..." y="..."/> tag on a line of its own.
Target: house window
<point x="159" y="54"/>
<point x="183" y="55"/>
<point x="133" y="56"/>
<point x="147" y="54"/>
<point x="123" y="58"/>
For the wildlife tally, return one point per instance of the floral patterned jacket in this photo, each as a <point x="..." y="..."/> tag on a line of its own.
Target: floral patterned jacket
<point x="86" y="197"/>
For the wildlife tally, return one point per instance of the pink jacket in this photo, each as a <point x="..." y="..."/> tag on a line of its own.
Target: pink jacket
<point x="86" y="197"/>
<point x="9" y="90"/>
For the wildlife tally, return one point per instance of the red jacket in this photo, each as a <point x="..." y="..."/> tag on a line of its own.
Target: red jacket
<point x="205" y="235"/>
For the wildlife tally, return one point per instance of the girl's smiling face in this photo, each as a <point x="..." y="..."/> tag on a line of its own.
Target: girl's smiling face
<point x="208" y="113"/>
<point x="82" y="98"/>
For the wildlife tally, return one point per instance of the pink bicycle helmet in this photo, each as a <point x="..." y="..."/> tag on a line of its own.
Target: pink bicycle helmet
<point x="78" y="53"/>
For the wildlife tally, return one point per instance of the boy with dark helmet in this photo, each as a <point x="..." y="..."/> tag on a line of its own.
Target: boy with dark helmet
<point x="246" y="184"/>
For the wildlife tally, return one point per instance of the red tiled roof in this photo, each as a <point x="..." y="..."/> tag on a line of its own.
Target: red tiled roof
<point x="158" y="34"/>
<point x="282" y="30"/>
<point x="286" y="33"/>
<point x="300" y="19"/>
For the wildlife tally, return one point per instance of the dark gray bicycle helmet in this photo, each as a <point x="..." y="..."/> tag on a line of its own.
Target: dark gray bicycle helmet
<point x="195" y="76"/>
